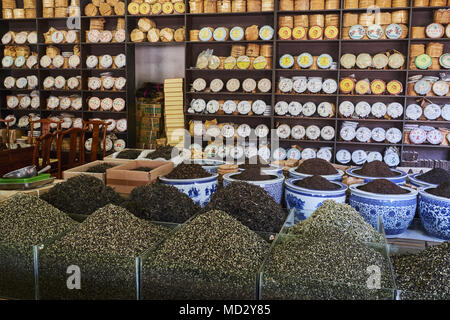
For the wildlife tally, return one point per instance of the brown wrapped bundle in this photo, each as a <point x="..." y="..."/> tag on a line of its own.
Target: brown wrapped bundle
<point x="52" y="51"/>
<point x="96" y="23"/>
<point x="209" y="6"/>
<point x="332" y="20"/>
<point x="137" y="36"/>
<point x="266" y="50"/>
<point x="253" y="5"/>
<point x="196" y="6"/>
<point x="350" y="4"/>
<point x="400" y="16"/>
<point x="435" y="65"/>
<point x="166" y="34"/>
<point x="48" y="12"/>
<point x="286" y="21"/>
<point x="238" y="6"/>
<point x="224" y="6"/>
<point x="179" y="34"/>
<point x="145" y="24"/>
<point x="441" y="16"/>
<point x="301" y="5"/>
<point x="399" y="3"/>
<point x="435" y="49"/>
<point x="29" y="4"/>
<point x="366" y="3"/>
<point x="350" y="19"/>
<point x="416" y="49"/>
<point x="105" y="9"/>
<point x="366" y="19"/>
<point x="301" y="21"/>
<point x="23" y="51"/>
<point x="421" y="3"/>
<point x="30" y="13"/>
<point x="120" y="23"/>
<point x="19" y="13"/>
<point x="61" y="12"/>
<point x="61" y="3"/>
<point x="252" y="33"/>
<point x="286" y="5"/>
<point x="7" y="14"/>
<point x="383" y="3"/>
<point x="317" y="20"/>
<point x="90" y="10"/>
<point x="193" y="35"/>
<point x="438" y="3"/>
<point x="267" y="5"/>
<point x="97" y="2"/>
<point x="383" y="18"/>
<point x="9" y="4"/>
<point x="418" y="32"/>
<point x="404" y="31"/>
<point x="332" y="4"/>
<point x="317" y="5"/>
<point x="237" y="51"/>
<point x="345" y="35"/>
<point x="252" y="50"/>
<point x="48" y="3"/>
<point x="74" y="11"/>
<point x="153" y="35"/>
<point x="119" y="8"/>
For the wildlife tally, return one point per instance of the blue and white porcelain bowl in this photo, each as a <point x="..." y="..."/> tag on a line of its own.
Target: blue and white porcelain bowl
<point x="306" y="201"/>
<point x="396" y="210"/>
<point x="419" y="183"/>
<point x="209" y="165"/>
<point x="399" y="179"/>
<point x="199" y="190"/>
<point x="332" y="177"/>
<point x="271" y="170"/>
<point x="435" y="214"/>
<point x="273" y="187"/>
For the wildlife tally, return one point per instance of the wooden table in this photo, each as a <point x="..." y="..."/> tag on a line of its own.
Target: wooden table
<point x="15" y="159"/>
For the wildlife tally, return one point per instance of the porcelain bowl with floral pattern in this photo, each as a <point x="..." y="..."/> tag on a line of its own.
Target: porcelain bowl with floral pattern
<point x="199" y="190"/>
<point x="419" y="183"/>
<point x="305" y="201"/>
<point x="396" y="210"/>
<point x="332" y="177"/>
<point x="209" y="165"/>
<point x="274" y="187"/>
<point x="398" y="179"/>
<point x="434" y="212"/>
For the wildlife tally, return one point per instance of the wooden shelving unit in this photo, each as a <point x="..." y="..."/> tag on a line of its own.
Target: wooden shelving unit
<point x="419" y="17"/>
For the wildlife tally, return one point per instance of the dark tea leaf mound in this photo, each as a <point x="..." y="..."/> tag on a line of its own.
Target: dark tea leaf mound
<point x="443" y="190"/>
<point x="161" y="202"/>
<point x="145" y="169"/>
<point x="382" y="186"/>
<point x="254" y="162"/>
<point x="253" y="174"/>
<point x="435" y="176"/>
<point x="188" y="171"/>
<point x="162" y="152"/>
<point x="376" y="168"/>
<point x="426" y="272"/>
<point x="316" y="183"/>
<point x="101" y="168"/>
<point x="82" y="194"/>
<point x="129" y="154"/>
<point x="249" y="204"/>
<point x="26" y="220"/>
<point x="316" y="166"/>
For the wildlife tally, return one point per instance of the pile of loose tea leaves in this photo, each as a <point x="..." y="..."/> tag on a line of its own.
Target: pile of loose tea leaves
<point x="324" y="264"/>
<point x="424" y="275"/>
<point x="443" y="190"/>
<point x="253" y="174"/>
<point x="188" y="171"/>
<point x="435" y="176"/>
<point x="104" y="246"/>
<point x="25" y="221"/>
<point x="254" y="162"/>
<point x="81" y="194"/>
<point x="316" y="166"/>
<point x="249" y="204"/>
<point x="213" y="256"/>
<point x="164" y="152"/>
<point x="144" y="169"/>
<point x="316" y="183"/>
<point x="161" y="202"/>
<point x="340" y="216"/>
<point x="376" y="168"/>
<point x="382" y="186"/>
<point x="101" y="168"/>
<point x="129" y="154"/>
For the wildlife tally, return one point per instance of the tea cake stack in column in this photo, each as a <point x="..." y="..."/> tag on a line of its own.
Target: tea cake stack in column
<point x="173" y="110"/>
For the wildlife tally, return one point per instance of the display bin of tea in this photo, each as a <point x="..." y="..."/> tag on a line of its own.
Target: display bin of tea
<point x="96" y="169"/>
<point x="127" y="176"/>
<point x="129" y="154"/>
<point x="421" y="272"/>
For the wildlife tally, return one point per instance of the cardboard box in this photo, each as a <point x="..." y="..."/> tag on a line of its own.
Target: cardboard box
<point x="123" y="178"/>
<point x="76" y="171"/>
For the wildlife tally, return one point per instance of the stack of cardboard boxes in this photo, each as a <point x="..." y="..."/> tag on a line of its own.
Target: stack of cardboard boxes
<point x="173" y="110"/>
<point x="148" y="122"/>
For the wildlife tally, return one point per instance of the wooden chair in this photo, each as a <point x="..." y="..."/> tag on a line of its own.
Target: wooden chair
<point x="45" y="126"/>
<point x="76" y="149"/>
<point x="96" y="126"/>
<point x="42" y="150"/>
<point x="6" y="122"/>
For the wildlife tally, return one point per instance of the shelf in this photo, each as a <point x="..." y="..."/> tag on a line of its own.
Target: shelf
<point x="228" y="93"/>
<point x="199" y="15"/>
<point x="425" y="146"/>
<point x="308" y="141"/>
<point x="356" y="143"/>
<point x="226" y="116"/>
